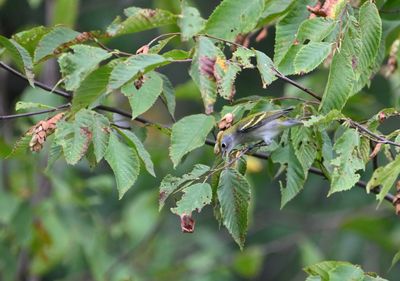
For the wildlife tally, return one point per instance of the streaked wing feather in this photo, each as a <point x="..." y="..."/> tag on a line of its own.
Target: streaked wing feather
<point x="259" y="119"/>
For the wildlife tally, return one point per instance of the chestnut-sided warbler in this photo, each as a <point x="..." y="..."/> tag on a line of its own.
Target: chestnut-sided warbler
<point x="262" y="126"/>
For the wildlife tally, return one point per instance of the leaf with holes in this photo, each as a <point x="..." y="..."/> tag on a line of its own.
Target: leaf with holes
<point x="234" y="17"/>
<point x="124" y="162"/>
<point x="194" y="198"/>
<point x="50" y="42"/>
<point x="21" y="105"/>
<point x="234" y="196"/>
<point x="295" y="176"/>
<point x="243" y="56"/>
<point x="225" y="73"/>
<point x="170" y="183"/>
<point x="347" y="162"/>
<point x="188" y="134"/>
<point x="286" y="29"/>
<point x="324" y="120"/>
<point x="132" y="67"/>
<point x="305" y="146"/>
<point x="143" y="98"/>
<point x="385" y="177"/>
<point x="30" y="38"/>
<point x="139" y="19"/>
<point x="266" y="68"/>
<point x="75" y="136"/>
<point x="190" y="22"/>
<point x="76" y="65"/>
<point x="100" y="128"/>
<point x="341" y="77"/>
<point x="202" y="71"/>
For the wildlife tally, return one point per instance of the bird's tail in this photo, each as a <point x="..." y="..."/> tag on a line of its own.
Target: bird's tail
<point x="292" y="122"/>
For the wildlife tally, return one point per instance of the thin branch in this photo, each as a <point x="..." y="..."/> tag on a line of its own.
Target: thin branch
<point x="36" y="83"/>
<point x="295" y="98"/>
<point x="123" y="113"/>
<point x="14" y="116"/>
<point x="297" y="85"/>
<point x="223" y="40"/>
<point x="378" y="138"/>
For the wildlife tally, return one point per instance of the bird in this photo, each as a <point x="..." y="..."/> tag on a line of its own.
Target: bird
<point x="262" y="126"/>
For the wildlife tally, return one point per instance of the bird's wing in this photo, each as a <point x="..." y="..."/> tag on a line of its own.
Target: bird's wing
<point x="259" y="119"/>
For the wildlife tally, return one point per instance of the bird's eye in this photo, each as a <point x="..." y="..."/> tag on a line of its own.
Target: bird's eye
<point x="223" y="145"/>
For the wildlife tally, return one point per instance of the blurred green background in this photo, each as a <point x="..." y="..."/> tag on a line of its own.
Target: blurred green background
<point x="68" y="224"/>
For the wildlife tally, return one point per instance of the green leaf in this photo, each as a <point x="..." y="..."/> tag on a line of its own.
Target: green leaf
<point x="295" y="176"/>
<point x="322" y="269"/>
<point x="347" y="162"/>
<point x="21" y="105"/>
<point x="188" y="134"/>
<point x="194" y="198"/>
<point x="124" y="162"/>
<point x="168" y="94"/>
<point x="371" y="34"/>
<point x="52" y="41"/>
<point x="91" y="88"/>
<point x="100" y="128"/>
<point x="205" y="56"/>
<point x="286" y="29"/>
<point x="20" y="56"/>
<point x="243" y="56"/>
<point x="225" y="73"/>
<point x="341" y="78"/>
<point x="21" y="145"/>
<point x="286" y="66"/>
<point x="131" y="68"/>
<point x="30" y="38"/>
<point x="346" y="272"/>
<point x="135" y="142"/>
<point x="315" y="30"/>
<point x="324" y="119"/>
<point x="54" y="154"/>
<point x="305" y="147"/>
<point x="190" y="22"/>
<point x="266" y="68"/>
<point x="310" y="56"/>
<point x="385" y="177"/>
<point x="170" y="183"/>
<point x="143" y="98"/>
<point x="160" y="45"/>
<point x="76" y="137"/>
<point x="75" y="66"/>
<point x="176" y="55"/>
<point x="310" y="32"/>
<point x="139" y="20"/>
<point x="234" y="197"/>
<point x="234" y="17"/>
<point x="274" y="9"/>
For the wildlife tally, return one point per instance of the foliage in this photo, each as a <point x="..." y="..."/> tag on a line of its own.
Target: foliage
<point x="350" y="40"/>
